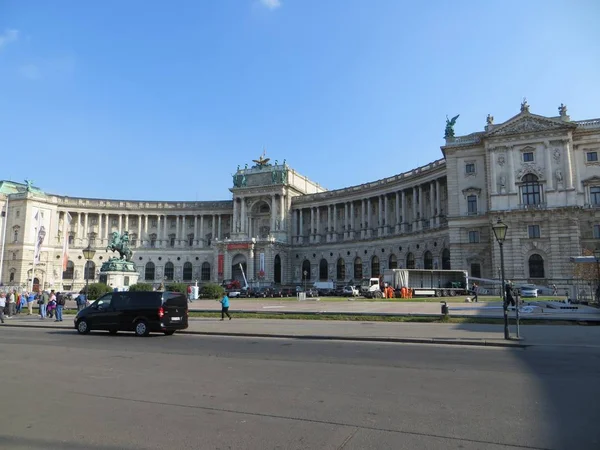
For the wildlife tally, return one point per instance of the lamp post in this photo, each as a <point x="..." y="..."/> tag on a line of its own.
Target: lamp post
<point x="499" y="229"/>
<point x="305" y="273"/>
<point x="597" y="256"/>
<point x="88" y="254"/>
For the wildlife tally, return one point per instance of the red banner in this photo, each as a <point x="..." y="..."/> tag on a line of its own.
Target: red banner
<point x="239" y="246"/>
<point x="221" y="265"/>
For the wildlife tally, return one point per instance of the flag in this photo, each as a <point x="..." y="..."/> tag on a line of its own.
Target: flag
<point x="40" y="234"/>
<point x="66" y="227"/>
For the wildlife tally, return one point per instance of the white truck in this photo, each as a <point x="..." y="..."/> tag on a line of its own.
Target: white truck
<point x="428" y="283"/>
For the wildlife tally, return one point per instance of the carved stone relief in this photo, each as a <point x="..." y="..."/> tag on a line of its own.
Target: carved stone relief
<point x="529" y="168"/>
<point x="556" y="155"/>
<point x="502" y="184"/>
<point x="501" y="160"/>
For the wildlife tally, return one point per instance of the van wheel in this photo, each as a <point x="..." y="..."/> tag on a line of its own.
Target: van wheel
<point x="169" y="332"/>
<point x="141" y="328"/>
<point x="83" y="327"/>
<point x="113" y="332"/>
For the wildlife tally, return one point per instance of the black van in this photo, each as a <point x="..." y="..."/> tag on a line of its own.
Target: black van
<point x="140" y="312"/>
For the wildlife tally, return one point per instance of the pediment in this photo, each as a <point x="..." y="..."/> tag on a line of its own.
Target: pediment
<point x="529" y="123"/>
<point x="591" y="181"/>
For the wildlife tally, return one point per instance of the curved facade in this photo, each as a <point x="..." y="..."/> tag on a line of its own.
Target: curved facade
<point x="541" y="175"/>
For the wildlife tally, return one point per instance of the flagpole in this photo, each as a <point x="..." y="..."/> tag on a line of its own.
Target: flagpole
<point x="3" y="237"/>
<point x="35" y="244"/>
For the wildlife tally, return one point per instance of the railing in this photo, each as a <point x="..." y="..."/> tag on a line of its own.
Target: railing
<point x="462" y="140"/>
<point x="527" y="206"/>
<point x="593" y="123"/>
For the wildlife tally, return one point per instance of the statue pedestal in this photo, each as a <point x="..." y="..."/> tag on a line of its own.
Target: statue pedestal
<point x="118" y="274"/>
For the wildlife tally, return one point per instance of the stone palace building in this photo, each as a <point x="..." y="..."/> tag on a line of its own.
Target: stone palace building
<point x="540" y="175"/>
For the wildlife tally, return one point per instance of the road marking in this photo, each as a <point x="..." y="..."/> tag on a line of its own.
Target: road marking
<point x="268" y="307"/>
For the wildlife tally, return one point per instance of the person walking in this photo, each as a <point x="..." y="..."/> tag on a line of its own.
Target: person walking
<point x="474" y="292"/>
<point x="43" y="302"/>
<point x="510" y="301"/>
<point x="224" y="307"/>
<point x="554" y="290"/>
<point x="81" y="301"/>
<point x="2" y="306"/>
<point x="30" y="300"/>
<point x="60" y="303"/>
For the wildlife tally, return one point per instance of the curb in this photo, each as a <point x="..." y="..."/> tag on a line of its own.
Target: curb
<point x="316" y="337"/>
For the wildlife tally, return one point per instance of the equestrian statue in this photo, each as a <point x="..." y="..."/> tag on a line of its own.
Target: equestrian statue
<point x="120" y="243"/>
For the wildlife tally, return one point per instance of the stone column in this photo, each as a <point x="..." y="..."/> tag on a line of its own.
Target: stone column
<point x="126" y="222"/>
<point x="386" y="216"/>
<point x="569" y="168"/>
<point x="301" y="231"/>
<point x="120" y="223"/>
<point x="220" y="228"/>
<point x="273" y="213"/>
<point x="363" y="219"/>
<point x="312" y="224"/>
<point x="294" y="226"/>
<point x="397" y="225"/>
<point x="345" y="220"/>
<point x="85" y="228"/>
<point x="403" y="193"/>
<point x="243" y="215"/>
<point x="327" y="239"/>
<point x="213" y="226"/>
<point x="100" y="236"/>
<point x="414" y="209"/>
<point x="577" y="174"/>
<point x="177" y="234"/>
<point x="369" y="219"/>
<point x="438" y="201"/>
<point x="511" y="170"/>
<point x="139" y="240"/>
<point x="351" y="224"/>
<point x="201" y="235"/>
<point x="548" y="164"/>
<point x="431" y="205"/>
<point x="318" y="234"/>
<point x="234" y="220"/>
<point x="493" y="176"/>
<point x="282" y="211"/>
<point x="195" y="230"/>
<point x="421" y="210"/>
<point x="158" y="231"/>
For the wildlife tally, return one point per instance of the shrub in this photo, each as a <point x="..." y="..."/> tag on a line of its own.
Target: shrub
<point x="140" y="287"/>
<point x="177" y="287"/>
<point x="96" y="290"/>
<point x="211" y="290"/>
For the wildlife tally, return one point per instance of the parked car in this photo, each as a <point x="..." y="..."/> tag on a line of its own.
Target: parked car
<point x="234" y="293"/>
<point x="288" y="292"/>
<point x="529" y="291"/>
<point x="350" y="291"/>
<point x="263" y="292"/>
<point x="339" y="291"/>
<point x="276" y="292"/>
<point x="324" y="292"/>
<point x="140" y="312"/>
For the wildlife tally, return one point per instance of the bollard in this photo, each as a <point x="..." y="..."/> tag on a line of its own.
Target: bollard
<point x="445" y="310"/>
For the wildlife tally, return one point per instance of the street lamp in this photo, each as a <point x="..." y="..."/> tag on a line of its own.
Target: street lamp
<point x="597" y="255"/>
<point x="500" y="234"/>
<point x="305" y="273"/>
<point x="88" y="254"/>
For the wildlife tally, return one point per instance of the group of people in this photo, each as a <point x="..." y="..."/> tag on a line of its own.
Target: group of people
<point x="13" y="302"/>
<point x="50" y="304"/>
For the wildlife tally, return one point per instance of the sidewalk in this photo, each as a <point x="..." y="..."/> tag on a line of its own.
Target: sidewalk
<point x="430" y="333"/>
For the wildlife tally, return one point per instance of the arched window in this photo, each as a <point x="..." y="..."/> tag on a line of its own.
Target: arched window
<point x="375" y="267"/>
<point x="393" y="261"/>
<point x="169" y="271"/>
<point x="358" y="272"/>
<point x="410" y="261"/>
<point x="68" y="273"/>
<point x="427" y="260"/>
<point x="205" y="272"/>
<point x="536" y="266"/>
<point x="446" y="259"/>
<point x="305" y="270"/>
<point x="531" y="190"/>
<point x="187" y="271"/>
<point x="16" y="236"/>
<point x="12" y="277"/>
<point x="277" y="269"/>
<point x="149" y="271"/>
<point x="341" y="269"/>
<point x="323" y="270"/>
<point x="90" y="270"/>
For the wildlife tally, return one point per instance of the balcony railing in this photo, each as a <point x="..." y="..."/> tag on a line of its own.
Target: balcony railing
<point x="527" y="206"/>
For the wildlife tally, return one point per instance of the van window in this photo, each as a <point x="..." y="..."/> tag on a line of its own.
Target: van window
<point x="104" y="301"/>
<point x="121" y="300"/>
<point x="144" y="299"/>
<point x="174" y="299"/>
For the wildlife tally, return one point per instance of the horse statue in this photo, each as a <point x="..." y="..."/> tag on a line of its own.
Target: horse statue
<point x="120" y="244"/>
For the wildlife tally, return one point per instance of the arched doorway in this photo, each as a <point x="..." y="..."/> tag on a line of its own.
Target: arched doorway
<point x="305" y="270"/>
<point x="446" y="259"/>
<point x="393" y="261"/>
<point x="536" y="266"/>
<point x="169" y="271"/>
<point x="323" y="270"/>
<point x="427" y="260"/>
<point x="149" y="271"/>
<point x="36" y="284"/>
<point x="341" y="269"/>
<point x="277" y="269"/>
<point x="410" y="261"/>
<point x="375" y="267"/>
<point x="238" y="268"/>
<point x="358" y="272"/>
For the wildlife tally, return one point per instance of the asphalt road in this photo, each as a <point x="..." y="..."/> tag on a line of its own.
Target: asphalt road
<point x="100" y="392"/>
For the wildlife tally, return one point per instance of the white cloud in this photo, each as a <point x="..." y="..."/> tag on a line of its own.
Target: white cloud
<point x="271" y="4"/>
<point x="30" y="71"/>
<point x="8" y="36"/>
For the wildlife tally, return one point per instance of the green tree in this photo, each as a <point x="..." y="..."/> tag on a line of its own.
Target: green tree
<point x="140" y="287"/>
<point x="211" y="290"/>
<point x="96" y="290"/>
<point x="177" y="287"/>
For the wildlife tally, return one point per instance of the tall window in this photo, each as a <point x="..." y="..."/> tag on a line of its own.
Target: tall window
<point x="410" y="261"/>
<point x="446" y="259"/>
<point x="133" y="240"/>
<point x="92" y="239"/>
<point x="16" y="236"/>
<point x="470" y="168"/>
<point x="172" y="240"/>
<point x="473" y="237"/>
<point x="595" y="195"/>
<point x="190" y="240"/>
<point x="428" y="260"/>
<point x="305" y="270"/>
<point x="323" y="271"/>
<point x="205" y="272"/>
<point x="375" y="267"/>
<point x="528" y="157"/>
<point x="90" y="270"/>
<point x="393" y="262"/>
<point x="536" y="266"/>
<point x="68" y="274"/>
<point x="152" y="240"/>
<point x="531" y="190"/>
<point x="358" y="272"/>
<point x="533" y="231"/>
<point x="592" y="156"/>
<point x="71" y="239"/>
<point x="341" y="269"/>
<point x="596" y="231"/>
<point x="169" y="271"/>
<point x="472" y="204"/>
<point x="12" y="277"/>
<point x="187" y="271"/>
<point x="149" y="271"/>
<point x="476" y="270"/>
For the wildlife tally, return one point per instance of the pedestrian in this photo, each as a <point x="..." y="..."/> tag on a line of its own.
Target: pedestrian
<point x="510" y="301"/>
<point x="474" y="292"/>
<point x="224" y="307"/>
<point x="554" y="290"/>
<point x="43" y="302"/>
<point x="81" y="301"/>
<point x="2" y="306"/>
<point x="30" y="300"/>
<point x="60" y="303"/>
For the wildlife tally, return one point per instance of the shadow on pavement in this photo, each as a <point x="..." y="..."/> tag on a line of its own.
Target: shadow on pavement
<point x="16" y="443"/>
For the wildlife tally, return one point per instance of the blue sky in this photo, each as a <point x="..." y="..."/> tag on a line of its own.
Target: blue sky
<point x="177" y="94"/>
